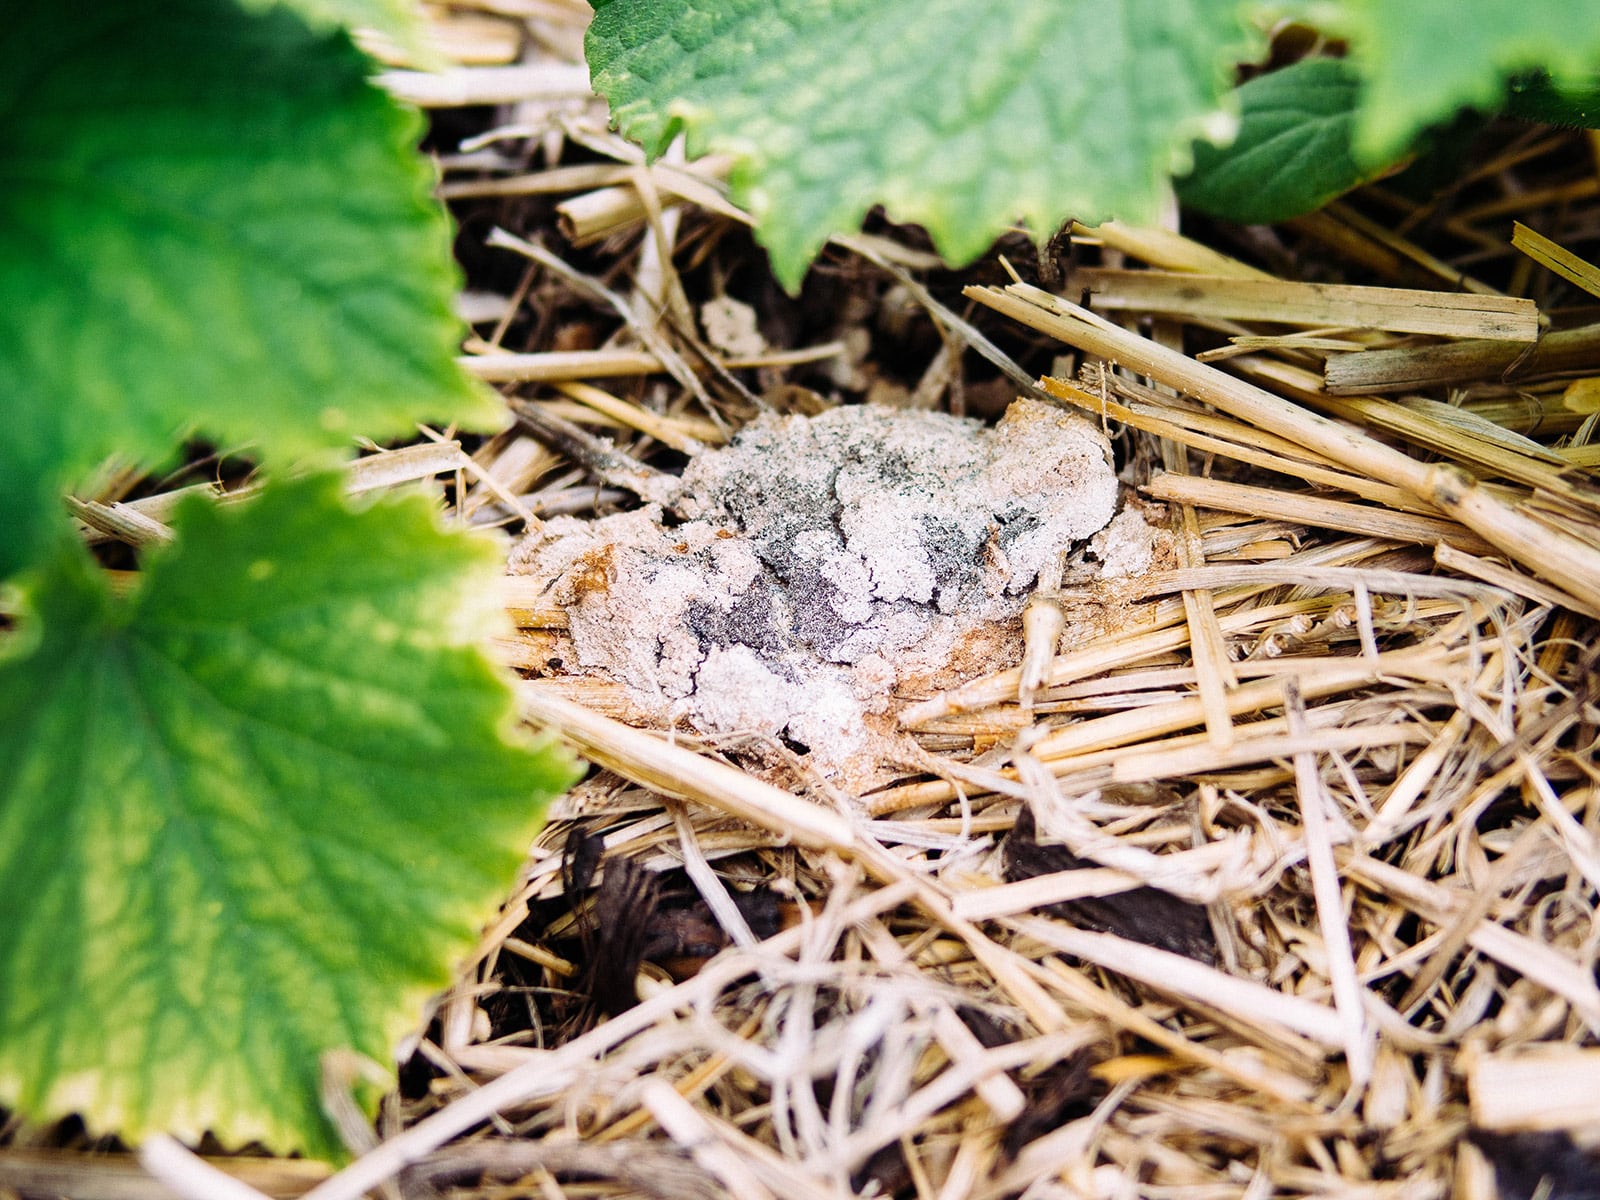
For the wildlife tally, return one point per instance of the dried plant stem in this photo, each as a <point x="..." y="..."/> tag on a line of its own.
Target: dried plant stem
<point x="553" y="366"/>
<point x="1004" y="1098"/>
<point x="1520" y="460"/>
<point x="548" y="182"/>
<point x="1349" y="229"/>
<point x="1214" y="674"/>
<point x="1212" y="434"/>
<point x="189" y="1175"/>
<point x="1443" y="314"/>
<point x="1042" y="626"/>
<point x="1360" y="1044"/>
<point x="687" y="435"/>
<point x="462" y="87"/>
<point x="1163" y="634"/>
<point x="1542" y="1087"/>
<point x="1568" y="561"/>
<point x="1325" y="679"/>
<point x="603" y="459"/>
<point x="1166" y="249"/>
<point x="1422" y="367"/>
<point x="1073" y="748"/>
<point x="1521" y="954"/>
<point x="649" y="336"/>
<point x="1556" y="257"/>
<point x="592" y="216"/>
<point x="548" y="1073"/>
<point x="694" y="1134"/>
<point x="686" y="775"/>
<point x="1517" y="583"/>
<point x="100" y="1176"/>
<point x="869" y="249"/>
<point x="1454" y="935"/>
<point x="678" y="772"/>
<point x="121" y="521"/>
<point x="1175" y="975"/>
<point x="1313" y="510"/>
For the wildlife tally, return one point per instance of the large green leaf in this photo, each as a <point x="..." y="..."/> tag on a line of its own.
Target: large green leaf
<point x="963" y="117"/>
<point x="398" y="20"/>
<point x="1535" y="98"/>
<point x="1292" y="154"/>
<point x="1424" y="59"/>
<point x="209" y="221"/>
<point x="251" y="814"/>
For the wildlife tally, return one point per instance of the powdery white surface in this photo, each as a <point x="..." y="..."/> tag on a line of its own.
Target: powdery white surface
<point x="1129" y="545"/>
<point x="834" y="555"/>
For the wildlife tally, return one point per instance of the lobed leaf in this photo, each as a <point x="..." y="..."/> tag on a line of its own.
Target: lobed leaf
<point x="1424" y="59"/>
<point x="209" y="222"/>
<point x="962" y="117"/>
<point x="250" y="815"/>
<point x="1535" y="98"/>
<point x="398" y="20"/>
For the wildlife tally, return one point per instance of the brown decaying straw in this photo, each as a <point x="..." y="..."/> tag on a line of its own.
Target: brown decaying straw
<point x="1380" y="652"/>
<point x="1566" y="560"/>
<point x="1445" y="314"/>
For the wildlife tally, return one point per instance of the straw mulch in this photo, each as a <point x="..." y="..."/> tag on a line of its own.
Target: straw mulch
<point x="1271" y="871"/>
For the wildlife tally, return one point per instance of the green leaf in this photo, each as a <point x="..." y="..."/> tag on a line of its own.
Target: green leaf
<point x="1424" y="59"/>
<point x="398" y="20"/>
<point x="250" y="815"/>
<point x="963" y="117"/>
<point x="211" y="222"/>
<point x="1292" y="154"/>
<point x="1535" y="98"/>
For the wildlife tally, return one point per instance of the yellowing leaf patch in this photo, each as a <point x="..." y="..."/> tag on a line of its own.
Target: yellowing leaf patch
<point x="253" y="814"/>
